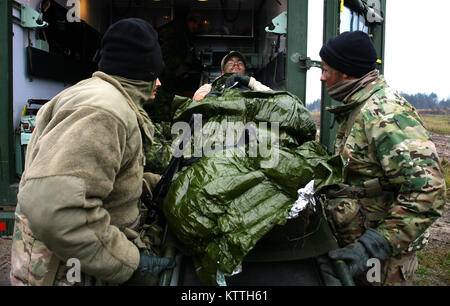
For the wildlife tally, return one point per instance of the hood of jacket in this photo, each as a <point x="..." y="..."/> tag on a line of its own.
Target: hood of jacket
<point x="137" y="93"/>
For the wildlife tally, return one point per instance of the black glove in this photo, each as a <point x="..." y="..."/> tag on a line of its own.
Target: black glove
<point x="237" y="77"/>
<point x="370" y="245"/>
<point x="154" y="265"/>
<point x="329" y="276"/>
<point x="147" y="273"/>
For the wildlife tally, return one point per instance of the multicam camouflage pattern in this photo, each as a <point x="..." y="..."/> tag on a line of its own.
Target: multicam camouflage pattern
<point x="30" y="258"/>
<point x="388" y="141"/>
<point x="395" y="271"/>
<point x="159" y="155"/>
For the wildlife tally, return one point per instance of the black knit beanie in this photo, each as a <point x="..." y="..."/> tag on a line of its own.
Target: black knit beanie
<point x="352" y="53"/>
<point x="130" y="49"/>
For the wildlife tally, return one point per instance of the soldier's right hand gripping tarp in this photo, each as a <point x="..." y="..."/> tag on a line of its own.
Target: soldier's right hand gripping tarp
<point x="222" y="205"/>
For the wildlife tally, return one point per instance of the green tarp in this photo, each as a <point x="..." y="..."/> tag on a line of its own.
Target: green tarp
<point x="222" y="205"/>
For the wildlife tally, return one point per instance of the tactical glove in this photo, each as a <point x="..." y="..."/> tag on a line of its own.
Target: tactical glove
<point x="370" y="245"/>
<point x="329" y="276"/>
<point x="154" y="265"/>
<point x="147" y="273"/>
<point x="237" y="77"/>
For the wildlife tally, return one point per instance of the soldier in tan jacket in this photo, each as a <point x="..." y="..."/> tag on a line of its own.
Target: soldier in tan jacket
<point x="78" y="197"/>
<point x="233" y="62"/>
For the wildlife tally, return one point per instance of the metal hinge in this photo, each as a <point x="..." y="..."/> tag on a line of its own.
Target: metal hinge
<point x="29" y="18"/>
<point x="278" y="25"/>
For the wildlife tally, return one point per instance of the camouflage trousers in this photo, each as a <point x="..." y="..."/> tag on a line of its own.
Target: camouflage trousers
<point x="33" y="264"/>
<point x="349" y="218"/>
<point x="32" y="261"/>
<point x="395" y="271"/>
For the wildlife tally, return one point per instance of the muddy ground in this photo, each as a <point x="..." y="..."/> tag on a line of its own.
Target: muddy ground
<point x="5" y="260"/>
<point x="440" y="230"/>
<point x="439" y="243"/>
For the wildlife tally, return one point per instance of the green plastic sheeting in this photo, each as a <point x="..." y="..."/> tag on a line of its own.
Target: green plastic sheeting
<point x="296" y="124"/>
<point x="222" y="205"/>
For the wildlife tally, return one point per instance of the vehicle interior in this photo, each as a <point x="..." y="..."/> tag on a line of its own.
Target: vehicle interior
<point x="63" y="45"/>
<point x="223" y="25"/>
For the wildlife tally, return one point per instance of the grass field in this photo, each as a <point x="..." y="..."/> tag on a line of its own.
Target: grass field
<point x="440" y="124"/>
<point x="434" y="266"/>
<point x="437" y="123"/>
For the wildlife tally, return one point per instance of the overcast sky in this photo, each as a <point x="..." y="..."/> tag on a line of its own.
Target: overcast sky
<point x="417" y="55"/>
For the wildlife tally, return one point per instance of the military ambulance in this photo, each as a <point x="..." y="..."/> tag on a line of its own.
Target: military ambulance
<point x="49" y="45"/>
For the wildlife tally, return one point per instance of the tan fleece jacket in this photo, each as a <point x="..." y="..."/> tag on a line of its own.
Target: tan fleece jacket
<point x="83" y="177"/>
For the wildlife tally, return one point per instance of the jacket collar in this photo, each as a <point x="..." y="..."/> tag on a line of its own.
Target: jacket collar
<point x="359" y="97"/>
<point x="138" y="93"/>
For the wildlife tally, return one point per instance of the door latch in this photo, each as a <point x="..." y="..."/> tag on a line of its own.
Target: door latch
<point x="306" y="63"/>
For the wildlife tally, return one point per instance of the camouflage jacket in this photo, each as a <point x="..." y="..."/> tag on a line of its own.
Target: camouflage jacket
<point x="388" y="141"/>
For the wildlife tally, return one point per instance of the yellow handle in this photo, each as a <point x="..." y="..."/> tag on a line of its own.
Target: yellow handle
<point x="342" y="6"/>
<point x="24" y="110"/>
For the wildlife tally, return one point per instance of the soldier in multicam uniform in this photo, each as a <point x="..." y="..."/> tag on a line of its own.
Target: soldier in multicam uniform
<point x="395" y="187"/>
